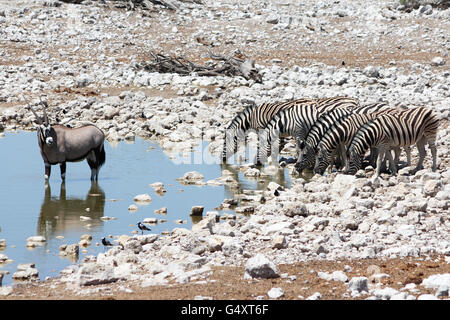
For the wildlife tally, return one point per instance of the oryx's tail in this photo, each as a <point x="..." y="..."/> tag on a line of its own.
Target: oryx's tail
<point x="97" y="158"/>
<point x="100" y="155"/>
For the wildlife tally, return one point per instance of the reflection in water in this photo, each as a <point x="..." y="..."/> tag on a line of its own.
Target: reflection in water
<point x="260" y="183"/>
<point x="62" y="214"/>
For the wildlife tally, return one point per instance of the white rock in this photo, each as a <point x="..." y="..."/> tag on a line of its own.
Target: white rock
<point x="384" y="294"/>
<point x="5" y="291"/>
<point x="335" y="276"/>
<point x="358" y="284"/>
<point x="260" y="266"/>
<point x="315" y="296"/>
<point x="36" y="239"/>
<point x="437" y="61"/>
<point x="437" y="280"/>
<point x="275" y="293"/>
<point x="406" y="230"/>
<point x="142" y="198"/>
<point x="132" y="207"/>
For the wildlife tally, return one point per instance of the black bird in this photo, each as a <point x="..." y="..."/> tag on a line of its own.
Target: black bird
<point x="106" y="243"/>
<point x="143" y="227"/>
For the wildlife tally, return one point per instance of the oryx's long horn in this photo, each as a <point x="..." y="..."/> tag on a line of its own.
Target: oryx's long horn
<point x="38" y="119"/>
<point x="45" y="110"/>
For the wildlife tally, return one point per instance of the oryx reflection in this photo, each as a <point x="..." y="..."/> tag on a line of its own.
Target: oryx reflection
<point x="61" y="214"/>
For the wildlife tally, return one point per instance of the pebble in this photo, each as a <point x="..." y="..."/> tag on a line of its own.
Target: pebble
<point x="275" y="293"/>
<point x="315" y="296"/>
<point x="142" y="198"/>
<point x="197" y="211"/>
<point x="260" y="266"/>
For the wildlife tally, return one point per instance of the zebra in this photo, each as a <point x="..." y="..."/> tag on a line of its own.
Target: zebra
<point x="340" y="135"/>
<point x="336" y="139"/>
<point x="296" y="121"/>
<point x="308" y="146"/>
<point x="414" y="126"/>
<point x="258" y="116"/>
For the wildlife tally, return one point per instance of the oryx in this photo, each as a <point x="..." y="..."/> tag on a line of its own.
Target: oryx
<point x="59" y="144"/>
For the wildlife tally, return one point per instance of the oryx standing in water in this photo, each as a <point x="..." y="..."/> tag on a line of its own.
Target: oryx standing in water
<point x="60" y="144"/>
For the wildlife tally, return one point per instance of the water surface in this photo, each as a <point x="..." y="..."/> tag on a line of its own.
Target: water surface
<point x="63" y="212"/>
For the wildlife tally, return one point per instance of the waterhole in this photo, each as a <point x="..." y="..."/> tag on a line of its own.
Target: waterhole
<point x="63" y="212"/>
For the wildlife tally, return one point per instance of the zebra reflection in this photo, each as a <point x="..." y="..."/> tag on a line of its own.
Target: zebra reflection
<point x="59" y="215"/>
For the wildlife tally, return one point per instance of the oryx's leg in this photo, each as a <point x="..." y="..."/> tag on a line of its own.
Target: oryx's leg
<point x="91" y="160"/>
<point x="62" y="166"/>
<point x="48" y="169"/>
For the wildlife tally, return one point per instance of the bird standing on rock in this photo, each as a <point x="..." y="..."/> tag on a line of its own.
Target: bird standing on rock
<point x="143" y="227"/>
<point x="106" y="243"/>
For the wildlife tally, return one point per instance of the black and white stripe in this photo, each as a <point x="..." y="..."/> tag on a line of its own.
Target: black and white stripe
<point x="296" y="121"/>
<point x="251" y="118"/>
<point x="414" y="126"/>
<point x="257" y="117"/>
<point x="336" y="139"/>
<point x="309" y="146"/>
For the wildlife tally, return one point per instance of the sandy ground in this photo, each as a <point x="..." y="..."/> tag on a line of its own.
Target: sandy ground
<point x="227" y="282"/>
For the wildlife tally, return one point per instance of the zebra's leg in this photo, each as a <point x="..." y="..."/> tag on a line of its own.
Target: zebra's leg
<point x="62" y="166"/>
<point x="422" y="153"/>
<point x="408" y="156"/>
<point x="373" y="157"/>
<point x="392" y="165"/>
<point x="397" y="151"/>
<point x="48" y="170"/>
<point x="343" y="156"/>
<point x="380" y="160"/>
<point x="432" y="146"/>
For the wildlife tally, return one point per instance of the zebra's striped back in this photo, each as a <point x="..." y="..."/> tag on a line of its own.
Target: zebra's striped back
<point x="328" y="104"/>
<point x="411" y="125"/>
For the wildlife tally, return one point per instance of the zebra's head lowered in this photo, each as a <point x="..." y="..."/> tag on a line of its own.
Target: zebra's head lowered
<point x="307" y="158"/>
<point x="323" y="161"/>
<point x="46" y="134"/>
<point x="354" y="160"/>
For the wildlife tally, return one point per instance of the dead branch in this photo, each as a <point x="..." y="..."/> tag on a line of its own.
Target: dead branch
<point x="236" y="64"/>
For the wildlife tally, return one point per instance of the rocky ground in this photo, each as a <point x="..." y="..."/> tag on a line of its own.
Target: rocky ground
<point x="331" y="237"/>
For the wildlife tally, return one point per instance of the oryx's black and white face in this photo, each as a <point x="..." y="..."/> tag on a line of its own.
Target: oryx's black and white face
<point x="45" y="134"/>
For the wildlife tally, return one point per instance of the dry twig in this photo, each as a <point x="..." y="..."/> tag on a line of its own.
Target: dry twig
<point x="234" y="65"/>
